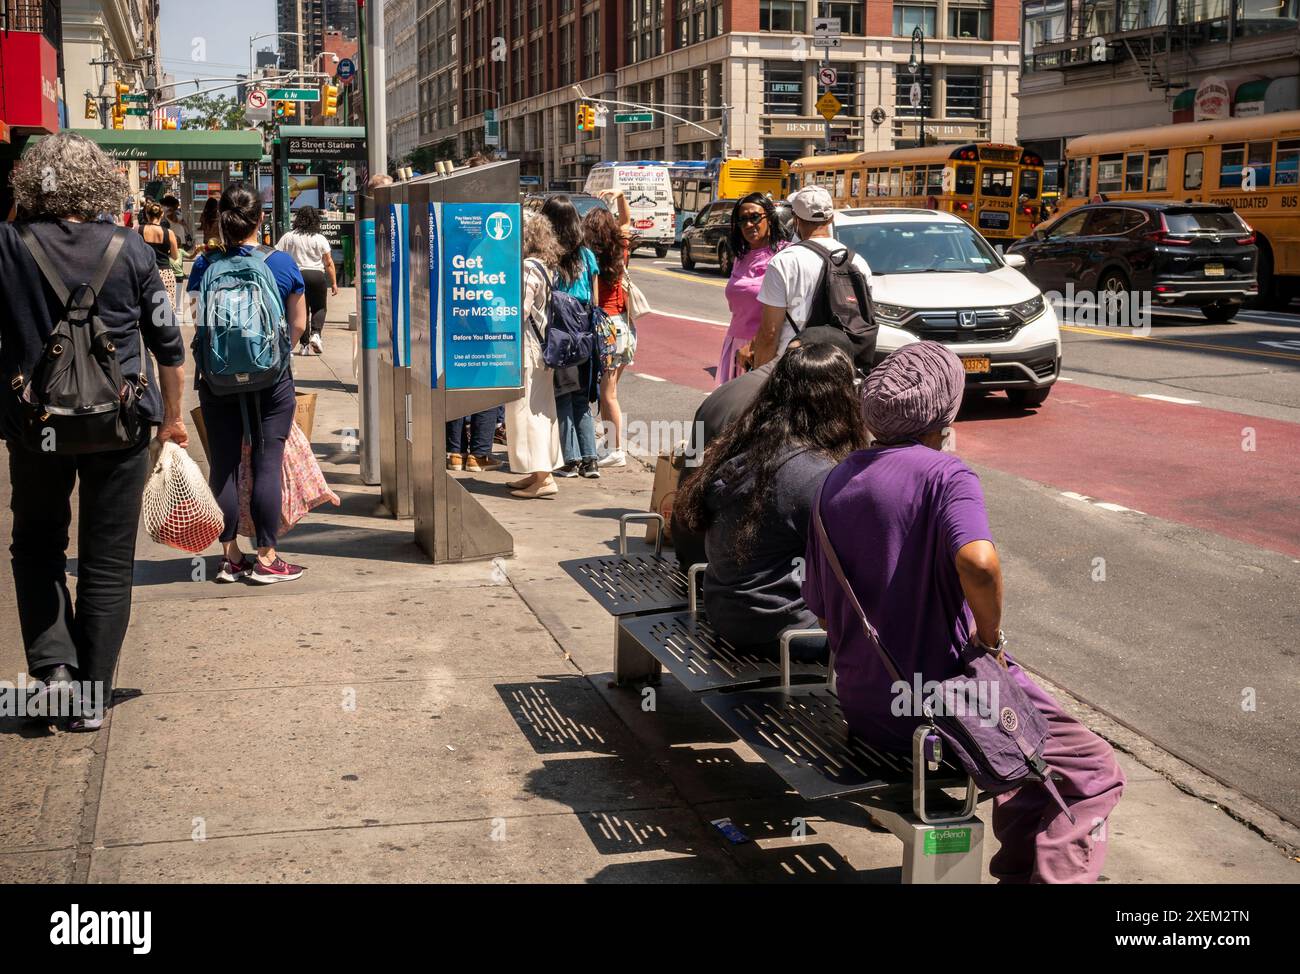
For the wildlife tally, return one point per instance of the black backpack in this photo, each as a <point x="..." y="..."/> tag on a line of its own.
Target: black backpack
<point x="76" y="401"/>
<point x="572" y="328"/>
<point x="842" y="300"/>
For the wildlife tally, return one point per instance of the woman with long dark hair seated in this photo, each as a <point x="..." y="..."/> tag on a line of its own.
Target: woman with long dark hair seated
<point x="753" y="494"/>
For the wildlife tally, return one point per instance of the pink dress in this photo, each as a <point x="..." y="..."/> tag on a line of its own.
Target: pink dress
<point x="746" y="312"/>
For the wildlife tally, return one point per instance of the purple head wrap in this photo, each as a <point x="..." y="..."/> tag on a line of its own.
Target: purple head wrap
<point x="914" y="391"/>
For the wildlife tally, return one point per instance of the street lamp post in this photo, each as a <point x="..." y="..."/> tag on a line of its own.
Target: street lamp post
<point x="918" y="41"/>
<point x="274" y="33"/>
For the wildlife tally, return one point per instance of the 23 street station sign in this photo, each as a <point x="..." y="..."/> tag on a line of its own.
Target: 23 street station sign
<point x="308" y="147"/>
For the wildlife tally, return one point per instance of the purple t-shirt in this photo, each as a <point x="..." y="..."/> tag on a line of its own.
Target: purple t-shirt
<point x="896" y="516"/>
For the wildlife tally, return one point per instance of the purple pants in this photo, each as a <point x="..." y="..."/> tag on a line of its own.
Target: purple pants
<point x="1039" y="845"/>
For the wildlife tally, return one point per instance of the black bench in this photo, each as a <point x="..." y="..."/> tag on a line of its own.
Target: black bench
<point x="798" y="729"/>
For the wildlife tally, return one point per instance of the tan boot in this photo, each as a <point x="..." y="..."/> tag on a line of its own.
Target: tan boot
<point x="455" y="461"/>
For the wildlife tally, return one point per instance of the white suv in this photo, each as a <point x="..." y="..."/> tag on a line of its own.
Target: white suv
<point x="933" y="277"/>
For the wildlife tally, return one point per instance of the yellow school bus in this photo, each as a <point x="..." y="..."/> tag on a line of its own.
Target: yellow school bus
<point x="1251" y="164"/>
<point x="994" y="187"/>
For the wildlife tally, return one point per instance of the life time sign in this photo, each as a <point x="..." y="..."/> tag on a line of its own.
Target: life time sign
<point x="479" y="286"/>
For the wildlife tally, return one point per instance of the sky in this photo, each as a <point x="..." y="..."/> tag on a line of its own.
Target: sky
<point x="222" y="26"/>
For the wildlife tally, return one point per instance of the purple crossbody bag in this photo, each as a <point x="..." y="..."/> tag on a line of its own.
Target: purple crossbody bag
<point x="1000" y="756"/>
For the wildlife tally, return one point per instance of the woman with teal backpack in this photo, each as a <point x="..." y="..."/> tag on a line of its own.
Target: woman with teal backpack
<point x="267" y="412"/>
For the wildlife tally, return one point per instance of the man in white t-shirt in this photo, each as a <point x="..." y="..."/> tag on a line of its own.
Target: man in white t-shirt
<point x="790" y="282"/>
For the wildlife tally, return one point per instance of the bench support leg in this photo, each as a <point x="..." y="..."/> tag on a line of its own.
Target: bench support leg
<point x="934" y="854"/>
<point x="632" y="664"/>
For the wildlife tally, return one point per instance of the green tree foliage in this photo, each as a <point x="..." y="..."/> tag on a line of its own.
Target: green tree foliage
<point x="213" y="112"/>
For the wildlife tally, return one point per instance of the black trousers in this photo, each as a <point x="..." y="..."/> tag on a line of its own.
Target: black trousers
<point x="87" y="636"/>
<point x="317" y="291"/>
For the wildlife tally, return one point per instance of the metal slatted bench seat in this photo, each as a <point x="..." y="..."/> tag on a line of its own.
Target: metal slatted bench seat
<point x="626" y="586"/>
<point x="698" y="656"/>
<point x="800" y="732"/>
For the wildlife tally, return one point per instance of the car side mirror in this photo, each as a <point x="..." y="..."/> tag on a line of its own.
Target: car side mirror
<point x="1016" y="261"/>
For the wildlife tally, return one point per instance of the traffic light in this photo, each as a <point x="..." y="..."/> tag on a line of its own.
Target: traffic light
<point x="92" y="110"/>
<point x="120" y="88"/>
<point x="279" y="109"/>
<point x="330" y="101"/>
<point x="290" y="109"/>
<point x="169" y="123"/>
<point x="586" y="118"/>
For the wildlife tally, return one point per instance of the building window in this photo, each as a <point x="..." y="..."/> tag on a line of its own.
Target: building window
<point x="970" y="21"/>
<point x="903" y="80"/>
<point x="782" y="15"/>
<point x="517" y="74"/>
<point x="590" y="46"/>
<point x="965" y="94"/>
<point x="1044" y="24"/>
<point x="851" y="15"/>
<point x="909" y="16"/>
<point x="535" y="66"/>
<point x="846" y="89"/>
<point x="782" y="88"/>
<point x="1263" y="16"/>
<point x="717" y="20"/>
<point x="534" y="14"/>
<point x="566" y="54"/>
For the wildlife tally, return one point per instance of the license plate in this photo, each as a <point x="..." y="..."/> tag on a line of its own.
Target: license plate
<point x="975" y="365"/>
<point x="1213" y="270"/>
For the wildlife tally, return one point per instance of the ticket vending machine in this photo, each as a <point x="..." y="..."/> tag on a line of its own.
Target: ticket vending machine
<point x="466" y="340"/>
<point x="393" y="292"/>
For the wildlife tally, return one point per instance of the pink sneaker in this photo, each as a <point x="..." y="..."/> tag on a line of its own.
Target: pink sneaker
<point x="278" y="571"/>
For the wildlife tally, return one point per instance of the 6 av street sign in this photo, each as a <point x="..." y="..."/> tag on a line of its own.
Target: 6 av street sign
<point x="627" y="118"/>
<point x="293" y="94"/>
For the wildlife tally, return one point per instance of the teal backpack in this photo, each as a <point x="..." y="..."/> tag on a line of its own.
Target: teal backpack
<point x="242" y="341"/>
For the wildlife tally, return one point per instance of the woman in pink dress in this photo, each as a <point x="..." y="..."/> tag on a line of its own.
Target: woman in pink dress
<point x="756" y="235"/>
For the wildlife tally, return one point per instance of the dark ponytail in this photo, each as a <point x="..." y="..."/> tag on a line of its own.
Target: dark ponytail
<point x="241" y="213"/>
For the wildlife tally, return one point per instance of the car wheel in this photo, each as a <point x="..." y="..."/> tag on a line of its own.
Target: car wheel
<point x="687" y="263"/>
<point x="1273" y="294"/>
<point x="1113" y="287"/>
<point x="1028" y="398"/>
<point x="1221" y="312"/>
<point x="725" y="260"/>
<point x="661" y="251"/>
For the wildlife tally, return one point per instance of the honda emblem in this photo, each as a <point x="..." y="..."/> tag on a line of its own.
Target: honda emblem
<point x="966" y="319"/>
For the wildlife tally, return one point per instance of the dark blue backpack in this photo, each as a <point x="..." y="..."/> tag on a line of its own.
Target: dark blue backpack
<point x="571" y="330"/>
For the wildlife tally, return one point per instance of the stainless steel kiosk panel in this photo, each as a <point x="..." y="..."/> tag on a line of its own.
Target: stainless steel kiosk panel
<point x="392" y="272"/>
<point x="466" y="340"/>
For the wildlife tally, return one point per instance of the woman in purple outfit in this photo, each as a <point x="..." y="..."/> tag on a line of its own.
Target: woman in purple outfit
<point x="909" y="525"/>
<point x="756" y="235"/>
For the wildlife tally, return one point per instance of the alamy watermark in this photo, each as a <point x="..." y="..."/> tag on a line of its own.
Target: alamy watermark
<point x="1103" y="309"/>
<point x="958" y="697"/>
<point x="33" y="698"/>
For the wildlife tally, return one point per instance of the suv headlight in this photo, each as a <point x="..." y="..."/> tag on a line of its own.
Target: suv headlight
<point x="891" y="314"/>
<point x="1027" y="311"/>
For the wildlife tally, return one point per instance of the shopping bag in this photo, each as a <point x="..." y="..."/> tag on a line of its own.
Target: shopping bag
<point x="302" y="484"/>
<point x="179" y="509"/>
<point x="668" y="471"/>
<point x="637" y="303"/>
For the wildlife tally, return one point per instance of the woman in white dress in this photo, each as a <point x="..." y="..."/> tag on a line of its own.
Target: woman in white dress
<point x="532" y="424"/>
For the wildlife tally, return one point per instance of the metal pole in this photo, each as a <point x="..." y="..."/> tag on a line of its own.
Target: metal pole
<point x="923" y="105"/>
<point x="825" y="62"/>
<point x="372" y="82"/>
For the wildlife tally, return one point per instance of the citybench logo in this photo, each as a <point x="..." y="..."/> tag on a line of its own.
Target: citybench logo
<point x="133" y="928"/>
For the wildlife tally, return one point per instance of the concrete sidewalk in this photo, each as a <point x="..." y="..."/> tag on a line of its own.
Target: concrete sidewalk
<point x="386" y="720"/>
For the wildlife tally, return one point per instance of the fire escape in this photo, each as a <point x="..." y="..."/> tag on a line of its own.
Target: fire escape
<point x="1156" y="36"/>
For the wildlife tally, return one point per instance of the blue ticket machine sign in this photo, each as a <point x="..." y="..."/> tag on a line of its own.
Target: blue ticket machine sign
<point x="400" y="283"/>
<point x="476" y="291"/>
<point x="369" y="296"/>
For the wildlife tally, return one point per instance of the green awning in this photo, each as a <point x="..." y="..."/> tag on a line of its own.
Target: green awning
<point x="1185" y="100"/>
<point x="179" y="145"/>
<point x="1251" y="91"/>
<point x="322" y="131"/>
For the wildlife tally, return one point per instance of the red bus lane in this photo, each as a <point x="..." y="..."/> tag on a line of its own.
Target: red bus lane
<point x="1183" y="463"/>
<point x="1223" y="472"/>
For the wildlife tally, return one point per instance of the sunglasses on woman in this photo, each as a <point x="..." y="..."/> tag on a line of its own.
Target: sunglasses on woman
<point x="749" y="219"/>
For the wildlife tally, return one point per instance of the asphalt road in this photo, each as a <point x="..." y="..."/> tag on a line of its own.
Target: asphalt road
<point x="1148" y="517"/>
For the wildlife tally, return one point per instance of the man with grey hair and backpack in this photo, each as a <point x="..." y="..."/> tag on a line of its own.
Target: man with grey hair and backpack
<point x="815" y="282"/>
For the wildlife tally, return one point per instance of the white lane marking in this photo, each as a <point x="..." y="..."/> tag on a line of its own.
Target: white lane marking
<point x="1104" y="505"/>
<point x="1063" y="378"/>
<point x="1173" y="399"/>
<point x="703" y="321"/>
<point x="652" y="378"/>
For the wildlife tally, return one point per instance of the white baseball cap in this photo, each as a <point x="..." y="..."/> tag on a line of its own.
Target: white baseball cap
<point x="813" y="203"/>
